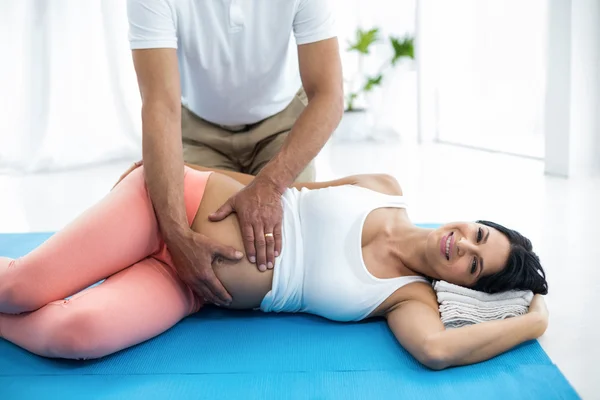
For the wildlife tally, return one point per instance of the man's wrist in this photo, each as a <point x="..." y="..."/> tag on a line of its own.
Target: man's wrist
<point x="174" y="232"/>
<point x="277" y="174"/>
<point x="276" y="181"/>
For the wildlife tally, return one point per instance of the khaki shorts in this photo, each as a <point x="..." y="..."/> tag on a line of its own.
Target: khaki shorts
<point x="246" y="148"/>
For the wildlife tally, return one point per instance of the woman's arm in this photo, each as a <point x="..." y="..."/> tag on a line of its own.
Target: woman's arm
<point x="417" y="326"/>
<point x="379" y="182"/>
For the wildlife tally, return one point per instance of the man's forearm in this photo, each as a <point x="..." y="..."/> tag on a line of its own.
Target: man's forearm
<point x="307" y="137"/>
<point x="163" y="166"/>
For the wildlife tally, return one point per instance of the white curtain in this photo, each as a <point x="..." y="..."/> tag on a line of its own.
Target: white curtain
<point x="68" y="92"/>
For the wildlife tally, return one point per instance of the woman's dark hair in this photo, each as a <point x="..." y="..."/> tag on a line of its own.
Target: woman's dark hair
<point x="523" y="270"/>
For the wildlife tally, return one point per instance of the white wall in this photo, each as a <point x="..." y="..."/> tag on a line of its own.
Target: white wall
<point x="482" y="85"/>
<point x="585" y="88"/>
<point x="572" y="120"/>
<point x="557" y="118"/>
<point x="491" y="74"/>
<point x="427" y="55"/>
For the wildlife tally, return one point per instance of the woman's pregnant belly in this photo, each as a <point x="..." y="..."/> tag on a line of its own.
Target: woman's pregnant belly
<point x="242" y="279"/>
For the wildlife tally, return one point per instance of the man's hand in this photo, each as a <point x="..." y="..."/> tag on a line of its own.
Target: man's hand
<point x="260" y="214"/>
<point x="258" y="206"/>
<point x="194" y="253"/>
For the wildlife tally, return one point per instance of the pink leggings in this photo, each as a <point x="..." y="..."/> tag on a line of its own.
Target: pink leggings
<point x="117" y="239"/>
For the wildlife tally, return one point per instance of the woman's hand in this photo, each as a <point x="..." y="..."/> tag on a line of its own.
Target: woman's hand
<point x="538" y="309"/>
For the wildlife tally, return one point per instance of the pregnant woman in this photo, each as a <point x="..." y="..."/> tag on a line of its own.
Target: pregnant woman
<point x="349" y="252"/>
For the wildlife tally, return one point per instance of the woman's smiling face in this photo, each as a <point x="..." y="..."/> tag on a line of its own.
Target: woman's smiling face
<point x="463" y="252"/>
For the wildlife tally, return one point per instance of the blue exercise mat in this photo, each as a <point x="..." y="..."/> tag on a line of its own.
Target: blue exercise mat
<point x="218" y="354"/>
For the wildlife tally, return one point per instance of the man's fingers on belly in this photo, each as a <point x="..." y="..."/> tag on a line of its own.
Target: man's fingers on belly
<point x="270" y="247"/>
<point x="261" y="248"/>
<point x="248" y="238"/>
<point x="278" y="240"/>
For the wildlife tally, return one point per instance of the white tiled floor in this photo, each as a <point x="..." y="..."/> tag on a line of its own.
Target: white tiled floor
<point x="443" y="183"/>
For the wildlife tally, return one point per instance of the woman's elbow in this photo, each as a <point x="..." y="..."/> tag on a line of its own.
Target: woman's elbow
<point x="435" y="355"/>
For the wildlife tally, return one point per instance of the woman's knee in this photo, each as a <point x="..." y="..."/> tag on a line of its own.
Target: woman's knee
<point x="77" y="336"/>
<point x="17" y="296"/>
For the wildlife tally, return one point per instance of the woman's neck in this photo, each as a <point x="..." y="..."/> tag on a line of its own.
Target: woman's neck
<point x="410" y="248"/>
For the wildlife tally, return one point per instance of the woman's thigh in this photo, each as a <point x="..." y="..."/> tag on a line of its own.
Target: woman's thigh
<point x="130" y="307"/>
<point x="116" y="232"/>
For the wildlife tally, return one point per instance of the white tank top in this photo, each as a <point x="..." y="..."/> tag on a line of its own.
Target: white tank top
<point x="321" y="269"/>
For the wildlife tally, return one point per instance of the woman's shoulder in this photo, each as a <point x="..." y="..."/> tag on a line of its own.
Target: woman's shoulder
<point x="419" y="290"/>
<point x="382" y="183"/>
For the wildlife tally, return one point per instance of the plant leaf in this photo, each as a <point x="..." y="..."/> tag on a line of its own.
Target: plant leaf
<point x="364" y="39"/>
<point x="372" y="82"/>
<point x="402" y="48"/>
<point x="350" y="101"/>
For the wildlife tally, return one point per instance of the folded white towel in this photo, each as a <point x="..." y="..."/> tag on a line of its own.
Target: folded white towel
<point x="442" y="286"/>
<point x="467" y="308"/>
<point x="523" y="300"/>
<point x="456" y="315"/>
<point x="460" y="306"/>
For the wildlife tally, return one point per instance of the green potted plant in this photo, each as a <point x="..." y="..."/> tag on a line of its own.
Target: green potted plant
<point x="358" y="90"/>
